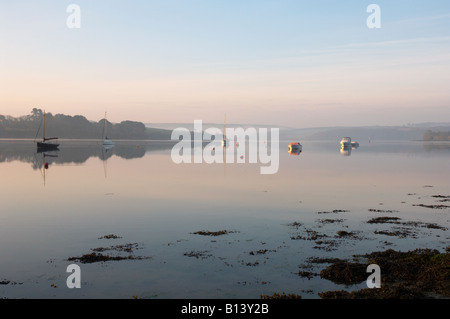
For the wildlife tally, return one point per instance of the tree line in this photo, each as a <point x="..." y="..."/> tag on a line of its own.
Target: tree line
<point x="436" y="136"/>
<point x="74" y="127"/>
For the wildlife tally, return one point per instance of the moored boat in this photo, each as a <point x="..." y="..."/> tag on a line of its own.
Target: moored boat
<point x="294" y="148"/>
<point x="45" y="145"/>
<point x="107" y="142"/>
<point x="346" y="142"/>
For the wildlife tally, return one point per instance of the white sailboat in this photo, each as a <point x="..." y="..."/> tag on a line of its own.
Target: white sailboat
<point x="107" y="143"/>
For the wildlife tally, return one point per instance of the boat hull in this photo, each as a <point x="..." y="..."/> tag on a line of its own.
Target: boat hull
<point x="346" y="142"/>
<point x="294" y="148"/>
<point x="108" y="143"/>
<point x="47" y="146"/>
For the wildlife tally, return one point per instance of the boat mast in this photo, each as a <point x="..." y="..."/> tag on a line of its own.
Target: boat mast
<point x="224" y="126"/>
<point x="104" y="127"/>
<point x="43" y="134"/>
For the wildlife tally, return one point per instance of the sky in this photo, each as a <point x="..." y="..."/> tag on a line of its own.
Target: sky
<point x="275" y="62"/>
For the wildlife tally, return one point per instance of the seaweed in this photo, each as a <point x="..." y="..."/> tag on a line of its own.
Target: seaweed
<point x="281" y="296"/>
<point x="213" y="233"/>
<point x="97" y="257"/>
<point x="110" y="236"/>
<point x="198" y="254"/>
<point x="421" y="273"/>
<point x="382" y="220"/>
<point x="432" y="206"/>
<point x="343" y="272"/>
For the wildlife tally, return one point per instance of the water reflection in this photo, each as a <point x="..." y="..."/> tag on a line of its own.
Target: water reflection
<point x="149" y="199"/>
<point x="108" y="147"/>
<point x="44" y="164"/>
<point x="76" y="152"/>
<point x="42" y="160"/>
<point x="402" y="147"/>
<point x="346" y="150"/>
<point x="443" y="147"/>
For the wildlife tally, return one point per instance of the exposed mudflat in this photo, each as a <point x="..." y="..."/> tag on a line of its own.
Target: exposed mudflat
<point x="98" y="255"/>
<point x="422" y="273"/>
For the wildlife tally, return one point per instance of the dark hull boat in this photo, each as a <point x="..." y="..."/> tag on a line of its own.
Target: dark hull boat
<point x="45" y="145"/>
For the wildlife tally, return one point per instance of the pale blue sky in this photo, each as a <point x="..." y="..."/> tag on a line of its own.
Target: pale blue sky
<point x="295" y="63"/>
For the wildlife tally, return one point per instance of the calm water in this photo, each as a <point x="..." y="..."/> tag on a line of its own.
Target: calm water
<point x="137" y="193"/>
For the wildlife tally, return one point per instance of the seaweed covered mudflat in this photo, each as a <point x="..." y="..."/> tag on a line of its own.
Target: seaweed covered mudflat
<point x="418" y="274"/>
<point x="414" y="274"/>
<point x="323" y="256"/>
<point x="113" y="252"/>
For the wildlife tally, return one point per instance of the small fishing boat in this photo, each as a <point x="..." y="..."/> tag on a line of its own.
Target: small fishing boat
<point x="44" y="145"/>
<point x="294" y="148"/>
<point x="346" y="142"/>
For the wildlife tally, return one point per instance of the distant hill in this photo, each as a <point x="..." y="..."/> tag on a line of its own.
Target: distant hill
<point x="384" y="133"/>
<point x="364" y="133"/>
<point x="436" y="136"/>
<point x="78" y="127"/>
<point x="75" y="127"/>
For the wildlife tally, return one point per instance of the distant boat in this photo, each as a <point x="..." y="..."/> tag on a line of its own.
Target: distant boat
<point x="224" y="139"/>
<point x="108" y="144"/>
<point x="44" y="145"/>
<point x="106" y="141"/>
<point x="346" y="142"/>
<point x="294" y="148"/>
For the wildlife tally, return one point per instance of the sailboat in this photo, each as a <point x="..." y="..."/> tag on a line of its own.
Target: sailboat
<point x="107" y="143"/>
<point x="45" y="145"/>
<point x="224" y="139"/>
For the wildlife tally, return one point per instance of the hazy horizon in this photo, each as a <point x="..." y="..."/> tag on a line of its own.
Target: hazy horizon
<point x="171" y="125"/>
<point x="299" y="64"/>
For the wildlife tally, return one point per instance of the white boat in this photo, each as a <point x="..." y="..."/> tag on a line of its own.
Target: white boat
<point x="346" y="142"/>
<point x="106" y="141"/>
